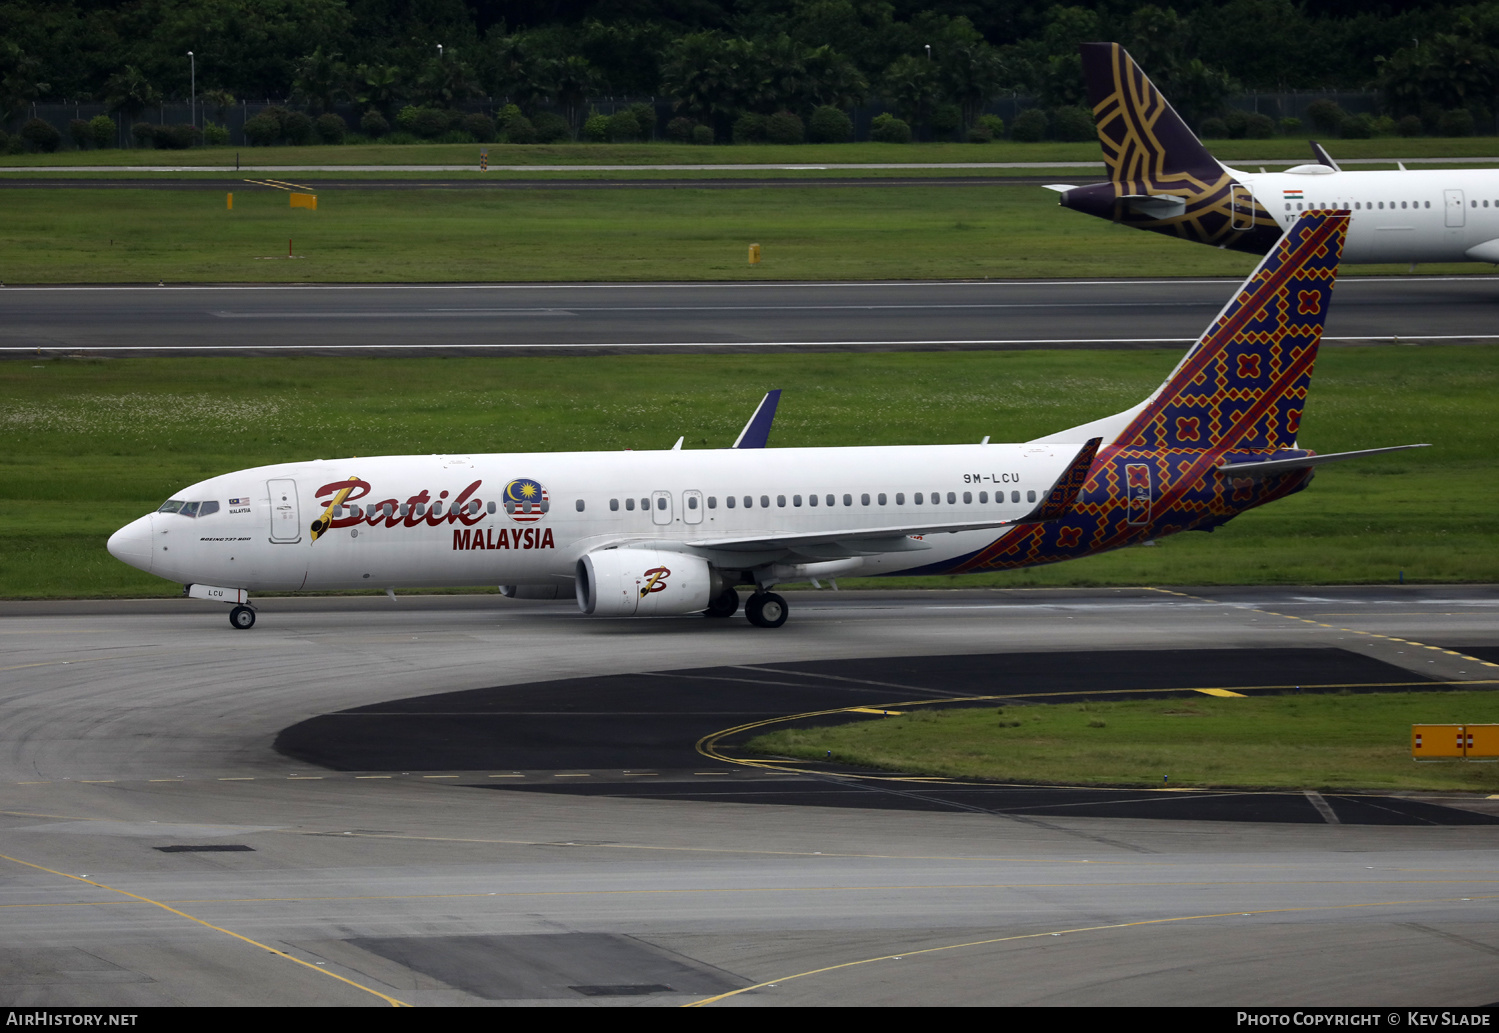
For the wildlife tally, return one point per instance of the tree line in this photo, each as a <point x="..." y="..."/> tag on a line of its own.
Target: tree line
<point x="717" y="61"/>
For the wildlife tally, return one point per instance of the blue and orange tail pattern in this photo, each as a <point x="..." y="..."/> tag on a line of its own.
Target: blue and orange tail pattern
<point x="1239" y="393"/>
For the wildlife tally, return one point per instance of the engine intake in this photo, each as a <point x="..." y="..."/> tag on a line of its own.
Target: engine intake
<point x="643" y="583"/>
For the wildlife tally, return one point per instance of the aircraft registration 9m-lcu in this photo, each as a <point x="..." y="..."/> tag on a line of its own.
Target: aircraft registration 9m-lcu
<point x="678" y="532"/>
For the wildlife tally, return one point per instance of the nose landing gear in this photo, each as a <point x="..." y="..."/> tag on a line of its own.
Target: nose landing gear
<point x="766" y="610"/>
<point x="243" y="618"/>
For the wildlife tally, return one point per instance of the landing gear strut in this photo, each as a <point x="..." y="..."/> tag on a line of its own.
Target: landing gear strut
<point x="766" y="610"/>
<point x="243" y="618"/>
<point x="725" y="604"/>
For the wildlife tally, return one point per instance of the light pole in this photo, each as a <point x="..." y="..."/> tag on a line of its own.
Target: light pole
<point x="439" y="51"/>
<point x="192" y="108"/>
<point x="928" y="51"/>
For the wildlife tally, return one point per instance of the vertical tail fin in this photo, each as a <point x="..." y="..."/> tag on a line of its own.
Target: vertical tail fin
<point x="1243" y="385"/>
<point x="1144" y="139"/>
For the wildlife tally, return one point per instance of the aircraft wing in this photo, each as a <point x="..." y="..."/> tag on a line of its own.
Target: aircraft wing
<point x="1270" y="467"/>
<point x="900" y="537"/>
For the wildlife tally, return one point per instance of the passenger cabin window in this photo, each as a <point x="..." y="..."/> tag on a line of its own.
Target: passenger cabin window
<point x="916" y="499"/>
<point x="492" y="508"/>
<point x="729" y="501"/>
<point x="764" y="501"/>
<point x="629" y="505"/>
<point x="983" y="496"/>
<point x="864" y="499"/>
<point x="781" y="501"/>
<point x="691" y="502"/>
<point x="967" y="497"/>
<point x="660" y="503"/>
<point x="579" y="504"/>
<point x="614" y="505"/>
<point x="900" y="498"/>
<point x="848" y="500"/>
<point x="1014" y="496"/>
<point x="811" y="500"/>
<point x="1030" y="496"/>
<point x="796" y="500"/>
<point x="713" y="501"/>
<point x="882" y="498"/>
<point x="952" y="498"/>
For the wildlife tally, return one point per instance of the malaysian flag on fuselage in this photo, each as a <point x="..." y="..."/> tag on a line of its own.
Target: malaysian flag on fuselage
<point x="525" y="500"/>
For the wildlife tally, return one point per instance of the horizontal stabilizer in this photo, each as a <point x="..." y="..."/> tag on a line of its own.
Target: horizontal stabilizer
<point x="1060" y="188"/>
<point x="1270" y="467"/>
<point x="757" y="431"/>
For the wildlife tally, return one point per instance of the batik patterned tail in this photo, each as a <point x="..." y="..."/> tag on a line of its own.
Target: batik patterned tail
<point x="1145" y="142"/>
<point x="1238" y="394"/>
<point x="1243" y="386"/>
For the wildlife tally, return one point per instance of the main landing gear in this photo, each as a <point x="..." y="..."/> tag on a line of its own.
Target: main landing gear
<point x="725" y="604"/>
<point x="766" y="610"/>
<point x="243" y="618"/>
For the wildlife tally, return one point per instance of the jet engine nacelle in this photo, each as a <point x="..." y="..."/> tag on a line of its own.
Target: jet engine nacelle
<point x="643" y="583"/>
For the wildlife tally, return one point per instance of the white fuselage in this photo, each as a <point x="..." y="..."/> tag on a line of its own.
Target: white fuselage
<point x="1427" y="215"/>
<point x="259" y="537"/>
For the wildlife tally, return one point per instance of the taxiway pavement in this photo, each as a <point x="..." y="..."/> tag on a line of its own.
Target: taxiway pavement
<point x="159" y="848"/>
<point x="548" y="319"/>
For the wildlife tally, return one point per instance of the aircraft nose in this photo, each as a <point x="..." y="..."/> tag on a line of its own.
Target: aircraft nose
<point x="132" y="543"/>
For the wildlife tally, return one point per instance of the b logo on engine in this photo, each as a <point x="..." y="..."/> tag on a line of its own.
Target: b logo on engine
<point x="655" y="581"/>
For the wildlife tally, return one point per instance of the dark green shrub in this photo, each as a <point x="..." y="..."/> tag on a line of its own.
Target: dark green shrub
<point x="215" y="135"/>
<point x="749" y="128"/>
<point x="596" y="128"/>
<point x="1325" y="116"/>
<point x="1384" y="125"/>
<point x="1259" y="127"/>
<point x="1073" y="124"/>
<point x="784" y="127"/>
<point x="1030" y="126"/>
<point x="262" y="130"/>
<point x="174" y="138"/>
<point x="430" y="123"/>
<point x="299" y="128"/>
<point x="886" y="128"/>
<point x="1237" y="120"/>
<point x="702" y="136"/>
<point x="1410" y="125"/>
<point x="519" y="129"/>
<point x="980" y="133"/>
<point x="373" y="124"/>
<point x="1291" y="126"/>
<point x="1458" y="122"/>
<point x="280" y="114"/>
<point x="994" y="124"/>
<point x="331" y="128"/>
<point x="144" y="134"/>
<point x="680" y="129"/>
<point x="4" y="142"/>
<point x="551" y="127"/>
<point x="41" y="136"/>
<point x="1214" y="129"/>
<point x="623" y="128"/>
<point x="829" y="125"/>
<point x="103" y="128"/>
<point x="645" y="118"/>
<point x="81" y="132"/>
<point x="1357" y="127"/>
<point x="15" y="145"/>
<point x="480" y="126"/>
<point x="947" y="120"/>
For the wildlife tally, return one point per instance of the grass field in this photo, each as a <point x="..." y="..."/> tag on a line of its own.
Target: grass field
<point x="829" y="233"/>
<point x="767" y="154"/>
<point x="86" y="446"/>
<point x="1335" y="741"/>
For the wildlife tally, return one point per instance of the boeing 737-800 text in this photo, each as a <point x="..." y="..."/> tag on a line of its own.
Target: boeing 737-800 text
<point x="677" y="532"/>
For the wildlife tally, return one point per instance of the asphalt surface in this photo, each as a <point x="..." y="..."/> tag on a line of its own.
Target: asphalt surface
<point x="390" y="319"/>
<point x="145" y="752"/>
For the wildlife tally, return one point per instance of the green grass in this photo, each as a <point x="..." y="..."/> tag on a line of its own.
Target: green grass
<point x="833" y="233"/>
<point x="1274" y="742"/>
<point x="86" y="446"/>
<point x="769" y="154"/>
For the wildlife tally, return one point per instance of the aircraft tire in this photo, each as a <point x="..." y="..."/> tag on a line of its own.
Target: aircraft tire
<point x="242" y="618"/>
<point x="726" y="604"/>
<point x="766" y="610"/>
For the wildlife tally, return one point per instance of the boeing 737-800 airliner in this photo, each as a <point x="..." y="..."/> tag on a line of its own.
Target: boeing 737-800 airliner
<point x="677" y="532"/>
<point x="1162" y="179"/>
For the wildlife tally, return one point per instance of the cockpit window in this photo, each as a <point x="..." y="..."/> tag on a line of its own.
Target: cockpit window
<point x="188" y="509"/>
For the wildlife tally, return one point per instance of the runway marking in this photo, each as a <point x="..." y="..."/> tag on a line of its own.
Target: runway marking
<point x="1063" y="932"/>
<point x="208" y="925"/>
<point x="1351" y="631"/>
<point x="1220" y="692"/>
<point x="882" y="713"/>
<point x="861" y="888"/>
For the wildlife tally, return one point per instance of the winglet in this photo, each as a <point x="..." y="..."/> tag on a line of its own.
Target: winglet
<point x="1063" y="493"/>
<point x="1323" y="158"/>
<point x="757" y="431"/>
